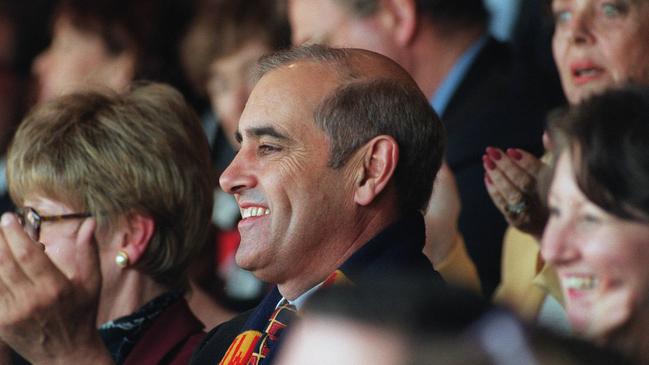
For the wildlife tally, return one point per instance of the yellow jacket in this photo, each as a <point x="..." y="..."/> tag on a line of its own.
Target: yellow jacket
<point x="525" y="278"/>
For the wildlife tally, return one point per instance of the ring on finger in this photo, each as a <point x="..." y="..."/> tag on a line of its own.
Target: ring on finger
<point x="517" y="209"/>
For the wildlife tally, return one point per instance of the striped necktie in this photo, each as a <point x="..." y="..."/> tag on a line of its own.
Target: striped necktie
<point x="280" y="318"/>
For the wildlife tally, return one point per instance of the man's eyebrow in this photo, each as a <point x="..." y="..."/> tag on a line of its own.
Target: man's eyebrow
<point x="266" y="131"/>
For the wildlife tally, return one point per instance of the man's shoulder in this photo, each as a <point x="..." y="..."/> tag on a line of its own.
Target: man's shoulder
<point x="217" y="341"/>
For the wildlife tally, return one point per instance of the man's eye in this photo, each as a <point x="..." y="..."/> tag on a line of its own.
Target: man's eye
<point x="265" y="149"/>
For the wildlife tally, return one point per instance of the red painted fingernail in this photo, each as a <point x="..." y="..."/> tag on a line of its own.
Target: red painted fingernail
<point x="490" y="165"/>
<point x="515" y="154"/>
<point x="493" y="153"/>
<point x="487" y="179"/>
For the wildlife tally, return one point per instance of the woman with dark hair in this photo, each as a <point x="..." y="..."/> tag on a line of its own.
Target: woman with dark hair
<point x="598" y="231"/>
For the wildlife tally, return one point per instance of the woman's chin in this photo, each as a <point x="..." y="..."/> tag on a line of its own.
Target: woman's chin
<point x="580" y="315"/>
<point x="579" y="323"/>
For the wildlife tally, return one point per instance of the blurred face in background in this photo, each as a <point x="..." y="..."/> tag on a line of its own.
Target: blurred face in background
<point x="599" y="44"/>
<point x="327" y="22"/>
<point x="230" y="84"/>
<point x="76" y="60"/>
<point x="600" y="258"/>
<point x="312" y="339"/>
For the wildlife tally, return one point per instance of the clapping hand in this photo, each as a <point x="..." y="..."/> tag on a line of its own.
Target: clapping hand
<point x="44" y="315"/>
<point x="511" y="180"/>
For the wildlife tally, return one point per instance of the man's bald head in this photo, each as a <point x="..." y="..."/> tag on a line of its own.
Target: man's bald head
<point x="375" y="96"/>
<point x="349" y="63"/>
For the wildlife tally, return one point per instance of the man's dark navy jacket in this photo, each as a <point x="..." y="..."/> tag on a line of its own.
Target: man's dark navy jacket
<point x="397" y="250"/>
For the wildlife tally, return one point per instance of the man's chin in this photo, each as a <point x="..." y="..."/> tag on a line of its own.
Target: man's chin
<point x="248" y="261"/>
<point x="243" y="262"/>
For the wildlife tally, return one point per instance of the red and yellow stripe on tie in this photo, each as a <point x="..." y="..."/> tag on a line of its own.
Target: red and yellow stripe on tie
<point x="241" y="348"/>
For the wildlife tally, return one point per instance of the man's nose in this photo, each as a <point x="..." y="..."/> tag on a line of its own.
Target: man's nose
<point x="238" y="176"/>
<point x="558" y="244"/>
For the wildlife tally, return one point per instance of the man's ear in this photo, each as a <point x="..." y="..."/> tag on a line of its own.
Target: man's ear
<point x="137" y="233"/>
<point x="400" y="16"/>
<point x="380" y="158"/>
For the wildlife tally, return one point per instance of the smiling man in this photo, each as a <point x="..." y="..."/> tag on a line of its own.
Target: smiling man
<point x="339" y="149"/>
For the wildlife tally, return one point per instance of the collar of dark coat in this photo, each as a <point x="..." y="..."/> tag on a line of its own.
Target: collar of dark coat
<point x="395" y="250"/>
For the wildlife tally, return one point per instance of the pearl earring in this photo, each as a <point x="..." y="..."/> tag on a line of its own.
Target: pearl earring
<point x="121" y="259"/>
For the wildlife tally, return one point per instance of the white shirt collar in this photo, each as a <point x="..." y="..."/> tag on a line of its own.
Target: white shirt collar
<point x="301" y="300"/>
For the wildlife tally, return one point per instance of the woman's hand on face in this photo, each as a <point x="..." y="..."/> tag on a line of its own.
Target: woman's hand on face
<point x="44" y="315"/>
<point x="511" y="180"/>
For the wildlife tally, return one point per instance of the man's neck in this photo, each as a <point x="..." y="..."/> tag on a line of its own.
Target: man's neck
<point x="434" y="53"/>
<point x="341" y="248"/>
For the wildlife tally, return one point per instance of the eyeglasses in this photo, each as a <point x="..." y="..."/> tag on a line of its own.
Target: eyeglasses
<point x="31" y="220"/>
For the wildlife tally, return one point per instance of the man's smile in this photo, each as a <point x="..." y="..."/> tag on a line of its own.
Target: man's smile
<point x="250" y="212"/>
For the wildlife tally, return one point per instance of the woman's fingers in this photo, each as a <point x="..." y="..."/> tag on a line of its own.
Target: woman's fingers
<point x="526" y="161"/>
<point x="12" y="275"/>
<point x="495" y="195"/>
<point x="516" y="174"/>
<point x="86" y="274"/>
<point x="506" y="188"/>
<point x="29" y="256"/>
<point x="510" y="179"/>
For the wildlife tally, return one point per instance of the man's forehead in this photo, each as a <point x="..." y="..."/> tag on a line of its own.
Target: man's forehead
<point x="288" y="96"/>
<point x="304" y="70"/>
<point x="299" y="85"/>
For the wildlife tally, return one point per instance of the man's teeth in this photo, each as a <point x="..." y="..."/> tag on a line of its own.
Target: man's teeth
<point x="254" y="212"/>
<point x="580" y="283"/>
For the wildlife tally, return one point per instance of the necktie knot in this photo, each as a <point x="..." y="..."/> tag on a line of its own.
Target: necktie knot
<point x="280" y="318"/>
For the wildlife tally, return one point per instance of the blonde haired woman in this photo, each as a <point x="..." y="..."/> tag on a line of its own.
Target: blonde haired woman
<point x="117" y="189"/>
